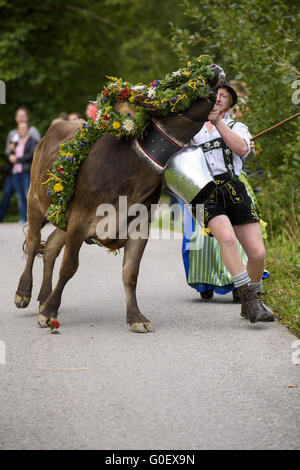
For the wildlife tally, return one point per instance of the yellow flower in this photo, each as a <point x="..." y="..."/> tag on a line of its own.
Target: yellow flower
<point x="58" y="187"/>
<point x="186" y="73"/>
<point x="192" y="84"/>
<point x="114" y="79"/>
<point x="201" y="56"/>
<point x="116" y="125"/>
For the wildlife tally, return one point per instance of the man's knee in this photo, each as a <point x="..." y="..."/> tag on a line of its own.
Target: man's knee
<point x="258" y="255"/>
<point x="228" y="241"/>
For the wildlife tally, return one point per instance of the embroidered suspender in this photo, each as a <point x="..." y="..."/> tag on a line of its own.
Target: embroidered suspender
<point x="227" y="153"/>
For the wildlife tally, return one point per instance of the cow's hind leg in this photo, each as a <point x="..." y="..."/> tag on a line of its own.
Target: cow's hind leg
<point x="54" y="245"/>
<point x="33" y="239"/>
<point x="74" y="240"/>
<point x="133" y="252"/>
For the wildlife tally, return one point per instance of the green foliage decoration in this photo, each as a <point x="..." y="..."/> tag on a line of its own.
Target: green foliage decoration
<point x="172" y="94"/>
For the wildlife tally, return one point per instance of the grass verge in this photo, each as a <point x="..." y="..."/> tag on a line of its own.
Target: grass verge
<point x="283" y="263"/>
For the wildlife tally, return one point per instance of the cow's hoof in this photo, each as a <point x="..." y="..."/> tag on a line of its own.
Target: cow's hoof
<point x="22" y="301"/>
<point x="149" y="327"/>
<point x="139" y="327"/>
<point x="42" y="321"/>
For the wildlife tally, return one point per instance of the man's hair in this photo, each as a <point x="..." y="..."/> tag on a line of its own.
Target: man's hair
<point x="63" y="115"/>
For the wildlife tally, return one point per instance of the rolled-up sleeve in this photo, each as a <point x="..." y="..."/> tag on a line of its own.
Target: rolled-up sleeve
<point x="243" y="131"/>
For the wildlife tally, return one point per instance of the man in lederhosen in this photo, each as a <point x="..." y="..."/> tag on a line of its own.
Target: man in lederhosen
<point x="229" y="212"/>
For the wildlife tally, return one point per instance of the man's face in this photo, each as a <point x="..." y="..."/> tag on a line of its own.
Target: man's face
<point x="223" y="101"/>
<point x="21" y="116"/>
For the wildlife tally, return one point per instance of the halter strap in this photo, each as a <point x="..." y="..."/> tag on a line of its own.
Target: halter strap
<point x="219" y="143"/>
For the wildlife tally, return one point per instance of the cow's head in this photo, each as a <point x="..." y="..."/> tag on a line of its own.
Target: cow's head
<point x="200" y="109"/>
<point x="217" y="80"/>
<point x="186" y="124"/>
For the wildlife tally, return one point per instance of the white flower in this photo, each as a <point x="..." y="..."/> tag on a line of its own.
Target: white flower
<point x="217" y="144"/>
<point x="151" y="92"/>
<point x="138" y="88"/>
<point x="207" y="145"/>
<point x="177" y="73"/>
<point x="230" y="167"/>
<point x="99" y="115"/>
<point x="227" y="151"/>
<point x="128" y="125"/>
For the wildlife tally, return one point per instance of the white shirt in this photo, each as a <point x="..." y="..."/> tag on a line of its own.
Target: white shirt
<point x="214" y="157"/>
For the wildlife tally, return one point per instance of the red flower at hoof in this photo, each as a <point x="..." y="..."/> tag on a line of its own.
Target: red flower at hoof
<point x="54" y="325"/>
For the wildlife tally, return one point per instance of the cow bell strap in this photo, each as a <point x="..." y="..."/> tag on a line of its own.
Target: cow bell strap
<point x="157" y="145"/>
<point x="219" y="143"/>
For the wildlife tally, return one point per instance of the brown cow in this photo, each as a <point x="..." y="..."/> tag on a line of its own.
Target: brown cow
<point x="111" y="169"/>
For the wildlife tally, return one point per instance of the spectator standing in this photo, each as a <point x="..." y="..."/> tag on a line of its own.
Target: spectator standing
<point x="21" y="159"/>
<point x="22" y="115"/>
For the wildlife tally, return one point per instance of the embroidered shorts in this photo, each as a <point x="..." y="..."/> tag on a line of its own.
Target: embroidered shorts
<point x="230" y="198"/>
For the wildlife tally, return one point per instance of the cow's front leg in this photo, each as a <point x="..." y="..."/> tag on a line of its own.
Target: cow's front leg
<point x="68" y="268"/>
<point x="133" y="252"/>
<point x="54" y="245"/>
<point x="33" y="239"/>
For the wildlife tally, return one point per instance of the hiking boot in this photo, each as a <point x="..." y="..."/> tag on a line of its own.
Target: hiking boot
<point x="252" y="306"/>
<point x="269" y="313"/>
<point x="207" y="294"/>
<point x="235" y="296"/>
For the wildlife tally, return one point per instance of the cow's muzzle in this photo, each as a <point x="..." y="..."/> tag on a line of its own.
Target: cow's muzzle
<point x="219" y="77"/>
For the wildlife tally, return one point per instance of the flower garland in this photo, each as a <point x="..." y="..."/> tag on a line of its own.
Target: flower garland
<point x="173" y="94"/>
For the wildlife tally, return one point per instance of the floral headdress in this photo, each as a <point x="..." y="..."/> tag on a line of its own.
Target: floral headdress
<point x="171" y="95"/>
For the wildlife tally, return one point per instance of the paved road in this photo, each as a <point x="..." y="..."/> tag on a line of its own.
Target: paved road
<point x="206" y="379"/>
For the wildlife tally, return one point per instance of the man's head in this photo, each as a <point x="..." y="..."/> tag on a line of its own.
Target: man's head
<point x="22" y="114"/>
<point x="226" y="97"/>
<point x="73" y="116"/>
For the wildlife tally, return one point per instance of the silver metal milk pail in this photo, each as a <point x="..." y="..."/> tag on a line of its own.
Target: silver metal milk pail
<point x="188" y="176"/>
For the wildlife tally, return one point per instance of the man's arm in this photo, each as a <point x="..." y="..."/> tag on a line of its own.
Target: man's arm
<point x="236" y="143"/>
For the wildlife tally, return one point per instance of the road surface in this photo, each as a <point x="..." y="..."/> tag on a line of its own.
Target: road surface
<point x="206" y="379"/>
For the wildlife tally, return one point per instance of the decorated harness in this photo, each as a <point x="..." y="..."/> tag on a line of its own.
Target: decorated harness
<point x="219" y="143"/>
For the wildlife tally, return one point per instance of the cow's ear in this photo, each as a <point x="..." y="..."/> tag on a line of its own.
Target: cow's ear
<point x="142" y="100"/>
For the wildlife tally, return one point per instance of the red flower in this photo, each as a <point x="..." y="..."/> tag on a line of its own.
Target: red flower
<point x="60" y="170"/>
<point x="106" y="117"/>
<point x="54" y="324"/>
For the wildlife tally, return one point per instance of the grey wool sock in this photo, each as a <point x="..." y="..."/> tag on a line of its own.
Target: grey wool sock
<point x="257" y="286"/>
<point x="241" y="279"/>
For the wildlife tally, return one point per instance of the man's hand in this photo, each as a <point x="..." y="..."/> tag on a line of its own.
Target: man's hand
<point x="214" y="116"/>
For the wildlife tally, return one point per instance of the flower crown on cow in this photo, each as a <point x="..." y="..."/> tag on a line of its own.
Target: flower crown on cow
<point x="171" y="95"/>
